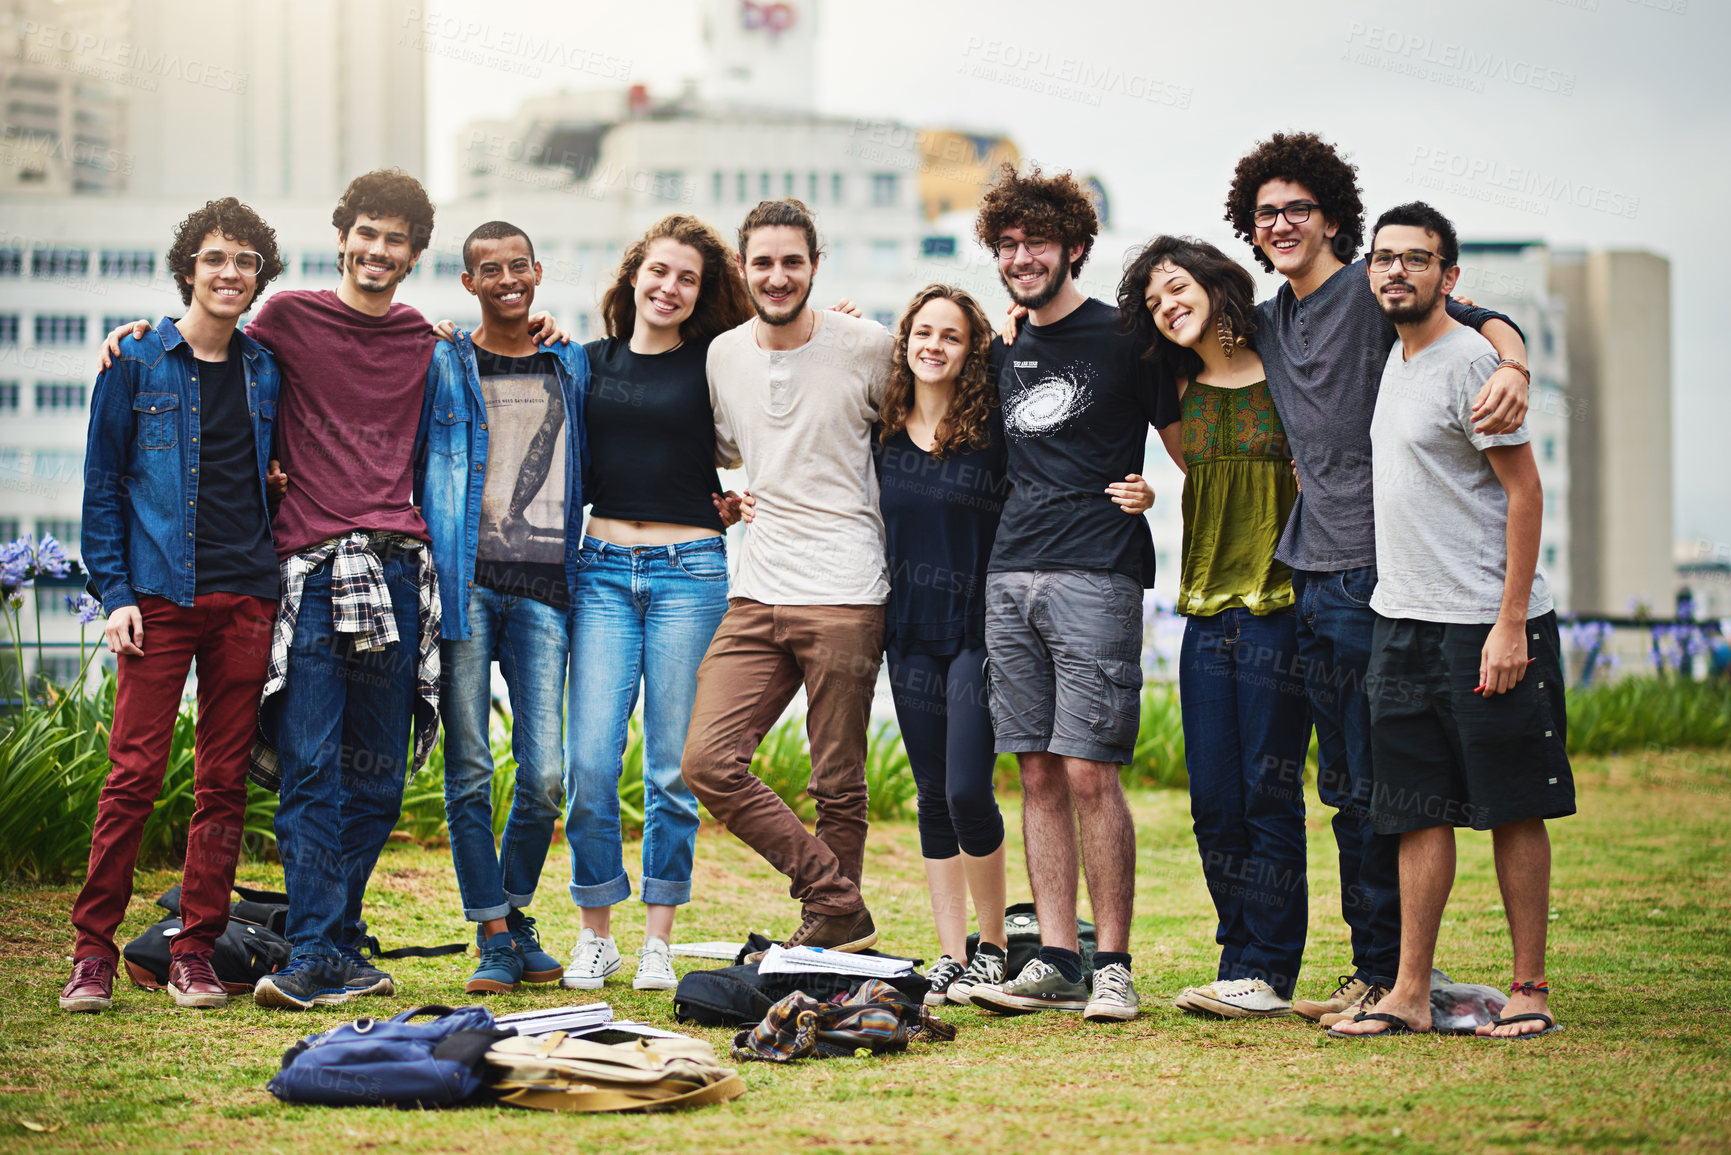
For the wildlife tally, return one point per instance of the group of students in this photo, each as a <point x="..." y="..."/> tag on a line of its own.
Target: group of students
<point x="964" y="505"/>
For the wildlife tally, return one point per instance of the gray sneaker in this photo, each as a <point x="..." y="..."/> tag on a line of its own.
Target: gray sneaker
<point x="1114" y="998"/>
<point x="1038" y="988"/>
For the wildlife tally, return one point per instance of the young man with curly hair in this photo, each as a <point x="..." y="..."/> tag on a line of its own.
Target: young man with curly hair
<point x="354" y="661"/>
<point x="178" y="541"/>
<point x="1064" y="588"/>
<point x="1323" y="341"/>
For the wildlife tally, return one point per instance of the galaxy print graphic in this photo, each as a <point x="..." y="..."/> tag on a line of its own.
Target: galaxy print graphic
<point x="1048" y="405"/>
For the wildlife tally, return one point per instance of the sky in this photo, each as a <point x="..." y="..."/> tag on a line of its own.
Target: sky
<point x="1625" y="103"/>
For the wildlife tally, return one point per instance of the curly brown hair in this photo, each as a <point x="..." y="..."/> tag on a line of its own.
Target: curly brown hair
<point x="1051" y="206"/>
<point x="722" y="303"/>
<point x="387" y="192"/>
<point x="965" y="425"/>
<point x="1231" y="293"/>
<point x="1302" y="158"/>
<point x="236" y="222"/>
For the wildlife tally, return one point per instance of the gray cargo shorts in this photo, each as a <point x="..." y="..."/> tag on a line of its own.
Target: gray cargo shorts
<point x="1064" y="662"/>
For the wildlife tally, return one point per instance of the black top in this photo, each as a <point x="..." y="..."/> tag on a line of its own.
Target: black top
<point x="1077" y="402"/>
<point x="521" y="547"/>
<point x="940" y="516"/>
<point x="651" y="435"/>
<point x="233" y="549"/>
<point x="1324" y="355"/>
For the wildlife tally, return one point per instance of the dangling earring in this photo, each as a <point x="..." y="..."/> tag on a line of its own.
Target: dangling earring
<point x="1228" y="343"/>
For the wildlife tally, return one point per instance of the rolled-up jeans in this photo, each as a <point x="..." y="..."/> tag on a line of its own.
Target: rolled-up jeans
<point x="529" y="640"/>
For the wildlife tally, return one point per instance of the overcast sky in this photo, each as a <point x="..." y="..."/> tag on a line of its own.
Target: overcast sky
<point x="1627" y="101"/>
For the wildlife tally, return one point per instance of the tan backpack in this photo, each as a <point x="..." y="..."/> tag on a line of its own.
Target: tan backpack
<point x="558" y="1073"/>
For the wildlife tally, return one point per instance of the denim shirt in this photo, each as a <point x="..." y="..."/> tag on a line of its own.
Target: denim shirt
<point x="455" y="469"/>
<point x="141" y="465"/>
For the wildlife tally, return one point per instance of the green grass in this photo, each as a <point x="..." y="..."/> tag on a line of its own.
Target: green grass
<point x="1642" y="895"/>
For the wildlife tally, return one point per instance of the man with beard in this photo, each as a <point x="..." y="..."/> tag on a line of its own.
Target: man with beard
<point x="1466" y="682"/>
<point x="1064" y="591"/>
<point x="354" y="659"/>
<point x="795" y="393"/>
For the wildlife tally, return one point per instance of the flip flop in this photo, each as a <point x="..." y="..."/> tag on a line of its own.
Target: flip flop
<point x="1531" y="1016"/>
<point x="1396" y="1026"/>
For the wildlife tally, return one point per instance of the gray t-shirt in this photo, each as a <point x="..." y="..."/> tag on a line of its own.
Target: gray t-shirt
<point x="1441" y="514"/>
<point x="801" y="421"/>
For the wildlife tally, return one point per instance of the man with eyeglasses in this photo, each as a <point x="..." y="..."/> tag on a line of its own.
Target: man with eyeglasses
<point x="1467" y="710"/>
<point x="1323" y="341"/>
<point x="1064" y="589"/>
<point x="177" y="538"/>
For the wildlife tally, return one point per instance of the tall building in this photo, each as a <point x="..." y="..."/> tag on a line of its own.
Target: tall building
<point x="1619" y="354"/>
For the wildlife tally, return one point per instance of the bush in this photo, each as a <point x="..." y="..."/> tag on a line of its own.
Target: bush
<point x="1648" y="713"/>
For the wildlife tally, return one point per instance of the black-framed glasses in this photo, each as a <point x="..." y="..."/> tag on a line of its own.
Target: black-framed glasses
<point x="246" y="262"/>
<point x="1295" y="213"/>
<point x="1006" y="248"/>
<point x="1412" y="260"/>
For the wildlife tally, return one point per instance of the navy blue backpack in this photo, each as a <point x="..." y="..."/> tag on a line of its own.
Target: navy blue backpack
<point x="395" y="1062"/>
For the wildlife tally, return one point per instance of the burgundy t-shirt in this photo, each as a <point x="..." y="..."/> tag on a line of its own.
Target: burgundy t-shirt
<point x="352" y="387"/>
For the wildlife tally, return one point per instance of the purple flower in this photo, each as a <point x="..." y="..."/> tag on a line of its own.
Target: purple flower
<point x="14" y="564"/>
<point x="86" y="607"/>
<point x="50" y="558"/>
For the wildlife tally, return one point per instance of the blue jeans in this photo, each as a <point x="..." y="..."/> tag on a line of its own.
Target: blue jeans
<point x="531" y="643"/>
<point x="343" y="743"/>
<point x="1246" y="727"/>
<point x="642" y="615"/>
<point x="1334" y="630"/>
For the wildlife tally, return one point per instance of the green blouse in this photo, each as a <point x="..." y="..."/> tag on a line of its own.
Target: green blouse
<point x="1238" y="491"/>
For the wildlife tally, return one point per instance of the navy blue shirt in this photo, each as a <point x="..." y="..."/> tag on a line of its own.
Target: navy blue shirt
<point x="1324" y="356"/>
<point x="940" y="517"/>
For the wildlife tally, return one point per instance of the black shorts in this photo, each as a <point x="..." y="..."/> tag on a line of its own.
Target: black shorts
<point x="1444" y="756"/>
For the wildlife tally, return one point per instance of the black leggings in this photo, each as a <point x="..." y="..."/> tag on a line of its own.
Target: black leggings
<point x="947" y="733"/>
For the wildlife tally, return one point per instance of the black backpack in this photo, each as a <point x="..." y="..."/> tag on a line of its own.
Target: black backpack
<point x="737" y="996"/>
<point x="1023" y="937"/>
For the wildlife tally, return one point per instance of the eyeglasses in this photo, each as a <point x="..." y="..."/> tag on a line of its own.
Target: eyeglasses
<point x="1295" y="213"/>
<point x="1006" y="248"/>
<point x="1413" y="260"/>
<point x="246" y="262"/>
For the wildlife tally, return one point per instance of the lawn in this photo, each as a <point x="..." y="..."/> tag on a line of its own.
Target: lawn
<point x="1638" y="962"/>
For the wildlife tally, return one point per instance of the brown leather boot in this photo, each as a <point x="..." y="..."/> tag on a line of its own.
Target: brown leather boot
<point x="838" y="932"/>
<point x="91" y="987"/>
<point x="192" y="983"/>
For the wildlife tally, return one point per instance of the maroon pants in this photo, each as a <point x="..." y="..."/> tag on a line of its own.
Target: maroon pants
<point x="229" y="637"/>
<point x="759" y="659"/>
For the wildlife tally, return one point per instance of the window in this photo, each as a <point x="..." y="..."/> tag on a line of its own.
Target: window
<point x="886" y="188"/>
<point x="59" y="397"/>
<point x="113" y="321"/>
<point x="8" y="404"/>
<point x="763" y="185"/>
<point x="938" y="247"/>
<point x="59" y="669"/>
<point x="135" y="263"/>
<point x="667" y="186"/>
<point x="59" y="262"/>
<point x="886" y="319"/>
<point x="8" y="328"/>
<point x="447" y="266"/>
<point x="319" y="265"/>
<point x="837" y="186"/>
<point x="1550" y="555"/>
<point x="10" y="530"/>
<point x="59" y="329"/>
<point x="56" y="465"/>
<point x="63" y="531"/>
<point x="717" y="184"/>
<point x="741" y="183"/>
<point x="787" y="185"/>
<point x="811" y="184"/>
<point x="885" y="258"/>
<point x="11" y="262"/>
<point x="1550" y="449"/>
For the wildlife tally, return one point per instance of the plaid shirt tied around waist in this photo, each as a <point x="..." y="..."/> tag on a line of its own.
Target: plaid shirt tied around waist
<point x="360" y="607"/>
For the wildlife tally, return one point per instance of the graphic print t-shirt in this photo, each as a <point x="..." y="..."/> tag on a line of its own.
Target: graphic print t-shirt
<point x="521" y="550"/>
<point x="1077" y="400"/>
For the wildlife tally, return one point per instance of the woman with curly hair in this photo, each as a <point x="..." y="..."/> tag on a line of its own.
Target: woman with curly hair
<point x="651" y="580"/>
<point x="1246" y="720"/>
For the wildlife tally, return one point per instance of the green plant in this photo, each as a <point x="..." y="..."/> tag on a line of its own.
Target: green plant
<point x="890" y="785"/>
<point x="783" y="763"/>
<point x="1159" y="753"/>
<point x="1649" y="713"/>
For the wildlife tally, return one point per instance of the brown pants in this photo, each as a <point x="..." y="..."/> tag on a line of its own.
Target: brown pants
<point x="760" y="657"/>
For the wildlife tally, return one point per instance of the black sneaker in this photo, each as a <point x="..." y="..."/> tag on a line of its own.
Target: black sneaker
<point x="307" y="981"/>
<point x="944" y="972"/>
<point x="362" y="977"/>
<point x="984" y="969"/>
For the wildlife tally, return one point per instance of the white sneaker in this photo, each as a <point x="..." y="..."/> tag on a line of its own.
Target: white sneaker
<point x="655" y="967"/>
<point x="592" y="960"/>
<point x="1183" y="1003"/>
<point x="1114" y="996"/>
<point x="1239" y="999"/>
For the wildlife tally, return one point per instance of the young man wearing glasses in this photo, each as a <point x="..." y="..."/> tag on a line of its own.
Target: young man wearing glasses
<point x="1064" y="588"/>
<point x="178" y="543"/>
<point x="1467" y="711"/>
<point x="1323" y="341"/>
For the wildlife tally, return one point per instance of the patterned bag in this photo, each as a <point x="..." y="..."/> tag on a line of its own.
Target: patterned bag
<point x="876" y="1018"/>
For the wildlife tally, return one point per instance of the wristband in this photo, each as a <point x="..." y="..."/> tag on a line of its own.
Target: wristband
<point x="1517" y="367"/>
